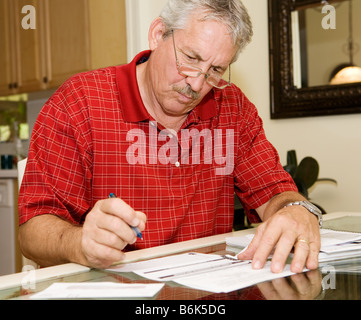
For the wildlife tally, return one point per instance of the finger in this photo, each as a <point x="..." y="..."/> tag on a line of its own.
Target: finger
<point x="143" y="220"/>
<point x="315" y="278"/>
<point x="110" y="239"/>
<point x="312" y="261"/>
<point x="286" y="292"/>
<point x="302" y="250"/>
<point x="302" y="284"/>
<point x="265" y="247"/>
<point x="248" y="252"/>
<point x="115" y="232"/>
<point x="100" y="256"/>
<point x="111" y="222"/>
<point x="117" y="207"/>
<point x="268" y="291"/>
<point x="283" y="249"/>
<point x="307" y="284"/>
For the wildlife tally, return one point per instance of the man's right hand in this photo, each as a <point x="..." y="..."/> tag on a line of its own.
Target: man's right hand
<point x="106" y="232"/>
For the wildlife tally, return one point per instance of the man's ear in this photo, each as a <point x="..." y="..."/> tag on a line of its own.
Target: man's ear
<point x="156" y="33"/>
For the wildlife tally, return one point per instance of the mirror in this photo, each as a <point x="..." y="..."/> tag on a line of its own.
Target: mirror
<point x="339" y="34"/>
<point x="307" y="44"/>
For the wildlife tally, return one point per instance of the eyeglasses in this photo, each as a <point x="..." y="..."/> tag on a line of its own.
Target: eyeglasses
<point x="216" y="80"/>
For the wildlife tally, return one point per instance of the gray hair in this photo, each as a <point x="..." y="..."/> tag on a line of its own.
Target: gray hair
<point x="233" y="13"/>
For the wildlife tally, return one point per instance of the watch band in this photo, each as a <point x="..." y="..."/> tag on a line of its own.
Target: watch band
<point x="310" y="207"/>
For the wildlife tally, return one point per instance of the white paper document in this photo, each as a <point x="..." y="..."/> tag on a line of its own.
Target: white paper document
<point x="334" y="244"/>
<point x="337" y="245"/>
<point x="332" y="238"/>
<point x="166" y="262"/>
<point x="94" y="290"/>
<point x="213" y="273"/>
<point x="197" y="264"/>
<point x="233" y="278"/>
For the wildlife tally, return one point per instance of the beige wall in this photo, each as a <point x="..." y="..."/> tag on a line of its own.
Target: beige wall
<point x="335" y="141"/>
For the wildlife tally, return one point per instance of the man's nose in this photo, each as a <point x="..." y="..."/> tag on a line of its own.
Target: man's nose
<point x="197" y="83"/>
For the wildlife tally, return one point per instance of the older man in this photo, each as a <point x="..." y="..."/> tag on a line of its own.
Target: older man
<point x="173" y="139"/>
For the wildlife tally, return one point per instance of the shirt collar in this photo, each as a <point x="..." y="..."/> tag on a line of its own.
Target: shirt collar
<point x="131" y="103"/>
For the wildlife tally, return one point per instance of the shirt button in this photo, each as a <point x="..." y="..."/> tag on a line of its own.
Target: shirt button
<point x="177" y="164"/>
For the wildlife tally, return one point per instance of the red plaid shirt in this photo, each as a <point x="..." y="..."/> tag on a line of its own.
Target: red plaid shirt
<point x="94" y="137"/>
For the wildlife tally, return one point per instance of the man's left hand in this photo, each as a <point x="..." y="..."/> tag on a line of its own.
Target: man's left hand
<point x="290" y="228"/>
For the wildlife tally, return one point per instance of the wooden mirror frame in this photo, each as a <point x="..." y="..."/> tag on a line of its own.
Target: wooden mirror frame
<point x="286" y="100"/>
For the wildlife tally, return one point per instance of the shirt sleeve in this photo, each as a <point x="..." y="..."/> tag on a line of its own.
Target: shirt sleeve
<point x="57" y="178"/>
<point x="259" y="175"/>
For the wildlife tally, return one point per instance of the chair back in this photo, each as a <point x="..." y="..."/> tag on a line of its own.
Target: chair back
<point x="21" y="170"/>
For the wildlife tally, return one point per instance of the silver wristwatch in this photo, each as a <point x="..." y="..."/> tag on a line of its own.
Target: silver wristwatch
<point x="310" y="207"/>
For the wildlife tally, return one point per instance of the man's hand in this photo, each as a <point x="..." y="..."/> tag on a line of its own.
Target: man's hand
<point x="106" y="232"/>
<point x="306" y="286"/>
<point x="289" y="228"/>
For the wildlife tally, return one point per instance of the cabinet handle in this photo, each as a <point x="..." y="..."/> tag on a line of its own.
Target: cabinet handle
<point x="13" y="85"/>
<point x="45" y="79"/>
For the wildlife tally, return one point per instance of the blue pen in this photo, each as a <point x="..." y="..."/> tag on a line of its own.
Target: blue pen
<point x="135" y="229"/>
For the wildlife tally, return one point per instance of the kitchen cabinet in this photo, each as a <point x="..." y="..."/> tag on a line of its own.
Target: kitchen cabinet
<point x="5" y="74"/>
<point x="70" y="37"/>
<point x="20" y="55"/>
<point x="66" y="39"/>
<point x="43" y="57"/>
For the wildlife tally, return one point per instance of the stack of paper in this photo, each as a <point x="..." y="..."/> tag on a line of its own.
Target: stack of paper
<point x="335" y="245"/>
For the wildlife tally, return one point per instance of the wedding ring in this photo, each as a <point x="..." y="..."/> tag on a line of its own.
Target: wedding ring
<point x="303" y="240"/>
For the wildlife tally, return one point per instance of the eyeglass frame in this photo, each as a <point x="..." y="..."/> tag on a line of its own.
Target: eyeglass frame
<point x="200" y="71"/>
